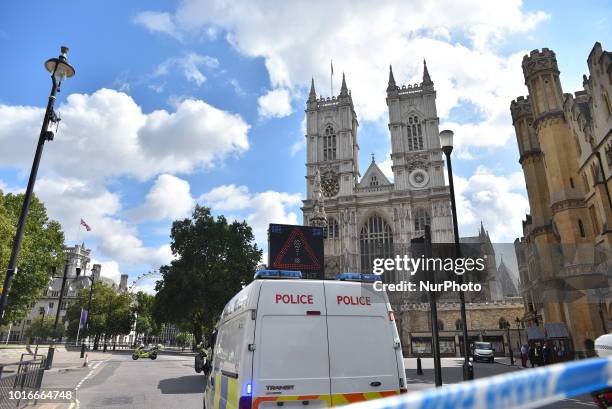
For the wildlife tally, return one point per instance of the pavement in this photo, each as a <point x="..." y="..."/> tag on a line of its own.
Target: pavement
<point x="115" y="381"/>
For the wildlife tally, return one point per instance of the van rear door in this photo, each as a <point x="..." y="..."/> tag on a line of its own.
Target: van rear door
<point x="362" y="348"/>
<point x="291" y="361"/>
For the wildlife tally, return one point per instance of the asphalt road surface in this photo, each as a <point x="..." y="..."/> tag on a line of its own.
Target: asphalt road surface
<point x="117" y="382"/>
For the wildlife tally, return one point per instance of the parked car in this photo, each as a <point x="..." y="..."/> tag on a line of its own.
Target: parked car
<point x="483" y="351"/>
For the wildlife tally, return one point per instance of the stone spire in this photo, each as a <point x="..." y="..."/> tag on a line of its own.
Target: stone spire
<point x="312" y="96"/>
<point x="392" y="86"/>
<point x="318" y="218"/>
<point x="426" y="78"/>
<point x="343" y="88"/>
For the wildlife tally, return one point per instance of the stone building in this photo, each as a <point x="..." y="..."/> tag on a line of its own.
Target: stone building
<point x="368" y="216"/>
<point x="77" y="273"/>
<point x="565" y="145"/>
<point x="485" y="322"/>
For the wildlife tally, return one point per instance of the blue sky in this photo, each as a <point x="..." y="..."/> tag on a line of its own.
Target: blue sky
<point x="182" y="102"/>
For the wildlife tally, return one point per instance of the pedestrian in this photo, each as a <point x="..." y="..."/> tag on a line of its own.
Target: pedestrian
<point x="546" y="354"/>
<point x="539" y="358"/>
<point x="532" y="355"/>
<point x="524" y="355"/>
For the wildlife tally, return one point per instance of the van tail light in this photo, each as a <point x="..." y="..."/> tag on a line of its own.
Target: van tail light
<point x="403" y="390"/>
<point x="391" y="316"/>
<point x="313" y="312"/>
<point x="245" y="402"/>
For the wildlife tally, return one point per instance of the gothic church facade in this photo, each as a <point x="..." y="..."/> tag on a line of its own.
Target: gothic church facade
<point x="369" y="216"/>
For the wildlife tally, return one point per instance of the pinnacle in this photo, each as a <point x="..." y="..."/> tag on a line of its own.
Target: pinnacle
<point x="392" y="86"/>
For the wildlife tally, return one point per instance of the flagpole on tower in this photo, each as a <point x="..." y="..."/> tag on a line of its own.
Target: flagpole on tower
<point x="331" y="78"/>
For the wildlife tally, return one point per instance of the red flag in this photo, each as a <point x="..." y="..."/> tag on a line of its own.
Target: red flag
<point x="85" y="225"/>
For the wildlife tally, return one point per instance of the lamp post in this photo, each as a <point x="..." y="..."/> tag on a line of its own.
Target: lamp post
<point x="60" y="70"/>
<point x="93" y="280"/>
<point x="51" y="350"/>
<point x="446" y="142"/>
<point x="518" y="326"/>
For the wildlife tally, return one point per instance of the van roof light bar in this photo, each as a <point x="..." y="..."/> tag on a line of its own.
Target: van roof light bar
<point x="370" y="278"/>
<point x="261" y="274"/>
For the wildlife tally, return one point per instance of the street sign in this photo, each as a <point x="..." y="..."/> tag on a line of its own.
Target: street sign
<point x="297" y="248"/>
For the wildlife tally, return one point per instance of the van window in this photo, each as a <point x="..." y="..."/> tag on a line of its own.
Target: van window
<point x="228" y="350"/>
<point x="284" y="338"/>
<point x="360" y="346"/>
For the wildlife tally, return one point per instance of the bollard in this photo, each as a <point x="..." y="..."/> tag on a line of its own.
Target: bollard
<point x="419" y="366"/>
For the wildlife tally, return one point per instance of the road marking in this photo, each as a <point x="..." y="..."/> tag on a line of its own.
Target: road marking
<point x="91" y="371"/>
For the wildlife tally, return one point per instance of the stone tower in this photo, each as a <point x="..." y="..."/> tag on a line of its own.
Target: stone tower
<point x="562" y="276"/>
<point x="415" y="149"/>
<point x="331" y="133"/>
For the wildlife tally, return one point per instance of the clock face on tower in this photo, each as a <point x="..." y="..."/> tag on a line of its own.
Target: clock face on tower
<point x="330" y="183"/>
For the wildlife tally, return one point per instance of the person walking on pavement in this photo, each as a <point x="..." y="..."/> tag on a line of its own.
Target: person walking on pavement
<point x="546" y="354"/>
<point x="539" y="357"/>
<point x="532" y="355"/>
<point x="524" y="355"/>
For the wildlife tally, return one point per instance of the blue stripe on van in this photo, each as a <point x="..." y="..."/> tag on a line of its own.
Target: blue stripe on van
<point x="223" y="400"/>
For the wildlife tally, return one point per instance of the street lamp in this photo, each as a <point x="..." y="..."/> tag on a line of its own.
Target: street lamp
<point x="60" y="70"/>
<point x="93" y="280"/>
<point x="446" y="142"/>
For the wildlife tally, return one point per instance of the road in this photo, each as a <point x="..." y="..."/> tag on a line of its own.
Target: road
<point x="117" y="382"/>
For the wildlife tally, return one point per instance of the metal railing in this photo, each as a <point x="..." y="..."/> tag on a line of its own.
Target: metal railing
<point x="23" y="376"/>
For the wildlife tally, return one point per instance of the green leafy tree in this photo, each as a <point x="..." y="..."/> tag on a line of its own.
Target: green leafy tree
<point x="214" y="260"/>
<point x="146" y="323"/>
<point x="41" y="253"/>
<point x="111" y="313"/>
<point x="42" y="328"/>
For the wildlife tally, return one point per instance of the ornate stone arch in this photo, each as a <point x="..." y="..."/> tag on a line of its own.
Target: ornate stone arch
<point x="375" y="240"/>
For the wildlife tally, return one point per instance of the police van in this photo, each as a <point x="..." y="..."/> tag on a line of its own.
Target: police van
<point x="283" y="341"/>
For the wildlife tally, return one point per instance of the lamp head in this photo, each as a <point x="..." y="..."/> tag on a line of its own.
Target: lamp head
<point x="446" y="141"/>
<point x="59" y="67"/>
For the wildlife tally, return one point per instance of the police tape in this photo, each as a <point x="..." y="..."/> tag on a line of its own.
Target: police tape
<point x="522" y="389"/>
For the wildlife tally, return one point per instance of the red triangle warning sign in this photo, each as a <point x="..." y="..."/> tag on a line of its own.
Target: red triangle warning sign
<point x="296" y="253"/>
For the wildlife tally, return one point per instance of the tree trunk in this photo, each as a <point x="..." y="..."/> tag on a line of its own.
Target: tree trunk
<point x="197" y="332"/>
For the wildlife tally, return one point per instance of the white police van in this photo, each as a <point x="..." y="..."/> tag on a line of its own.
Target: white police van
<point x="283" y="341"/>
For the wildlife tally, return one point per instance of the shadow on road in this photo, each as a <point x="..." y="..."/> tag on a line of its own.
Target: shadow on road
<point x="183" y="384"/>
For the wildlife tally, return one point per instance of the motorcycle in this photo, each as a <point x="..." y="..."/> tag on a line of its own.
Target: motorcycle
<point x="142" y="352"/>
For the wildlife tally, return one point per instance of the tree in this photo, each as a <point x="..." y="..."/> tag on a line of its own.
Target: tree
<point x="111" y="313"/>
<point x="214" y="260"/>
<point x="41" y="253"/>
<point x="146" y="323"/>
<point x="43" y="328"/>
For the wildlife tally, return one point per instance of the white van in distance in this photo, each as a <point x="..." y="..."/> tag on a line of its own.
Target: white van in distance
<point x="287" y="342"/>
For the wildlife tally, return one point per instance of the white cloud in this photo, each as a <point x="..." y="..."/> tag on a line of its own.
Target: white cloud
<point x="275" y="103"/>
<point x="106" y="135"/>
<point x="69" y="199"/>
<point x="498" y="201"/>
<point x="258" y="209"/>
<point x="191" y="64"/>
<point x="459" y="39"/>
<point x="169" y="198"/>
<point x="157" y="22"/>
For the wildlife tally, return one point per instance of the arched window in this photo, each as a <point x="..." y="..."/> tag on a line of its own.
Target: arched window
<point x="329" y="144"/>
<point x="503" y="323"/>
<point x="415" y="134"/>
<point x="333" y="230"/>
<point x="440" y="325"/>
<point x="458" y="324"/>
<point x="421" y="219"/>
<point x="375" y="241"/>
<point x="373" y="181"/>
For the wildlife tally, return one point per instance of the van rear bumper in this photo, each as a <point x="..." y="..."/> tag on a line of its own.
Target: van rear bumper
<point x="318" y="401"/>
